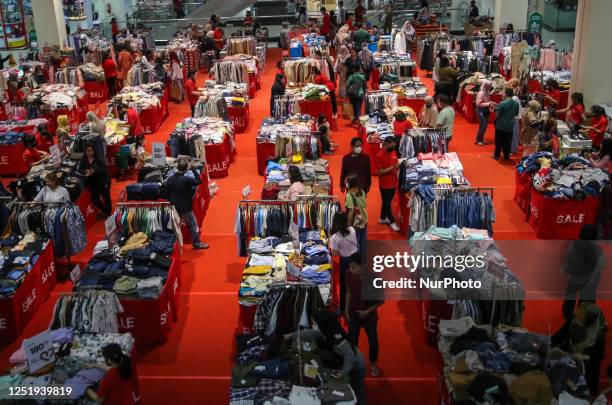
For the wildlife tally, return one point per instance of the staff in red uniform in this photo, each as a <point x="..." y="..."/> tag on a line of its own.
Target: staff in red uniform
<point x="191" y="89"/>
<point x="118" y="387"/>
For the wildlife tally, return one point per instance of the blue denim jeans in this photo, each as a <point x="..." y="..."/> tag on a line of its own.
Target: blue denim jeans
<point x="483" y="117"/>
<point x="190" y="220"/>
<point x="362" y="241"/>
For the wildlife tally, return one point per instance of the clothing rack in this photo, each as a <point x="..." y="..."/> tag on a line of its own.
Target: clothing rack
<point x="143" y="203"/>
<point x="289" y="143"/>
<point x="381" y="99"/>
<point x="423" y="140"/>
<point x="287" y="104"/>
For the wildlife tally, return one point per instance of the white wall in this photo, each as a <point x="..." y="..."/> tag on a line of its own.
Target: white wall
<point x="591" y="59"/>
<point x="49" y="22"/>
<point x="511" y="11"/>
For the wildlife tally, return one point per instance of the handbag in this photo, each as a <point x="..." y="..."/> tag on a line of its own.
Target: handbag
<point x="175" y="92"/>
<point x="352" y="90"/>
<point x="359" y="221"/>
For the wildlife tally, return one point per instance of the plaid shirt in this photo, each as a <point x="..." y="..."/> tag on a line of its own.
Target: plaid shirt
<point x="252" y="353"/>
<point x="274" y="388"/>
<point x="242" y="396"/>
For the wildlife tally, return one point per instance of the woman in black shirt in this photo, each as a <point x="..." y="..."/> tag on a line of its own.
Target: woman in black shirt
<point x="97" y="179"/>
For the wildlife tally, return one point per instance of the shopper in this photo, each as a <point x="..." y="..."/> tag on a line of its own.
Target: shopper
<point x="181" y="189"/>
<point x="361" y="312"/>
<point x="344" y="244"/>
<point x="429" y="113"/>
<point x="325" y="327"/>
<point x="342" y="69"/>
<point x="549" y="137"/>
<point x="110" y="74"/>
<point x="424" y="14"/>
<point x="296" y="188"/>
<point x="32" y="156"/>
<point x="325" y="137"/>
<point x="358" y="163"/>
<point x="352" y="62"/>
<point x="118" y="385"/>
<point x="357" y="210"/>
<point x="97" y="179"/>
<point x="139" y="153"/>
<point x="302" y="16"/>
<point x="7" y="58"/>
<point x="96" y="125"/>
<point x="130" y="115"/>
<point x="191" y="89"/>
<point x="44" y="138"/>
<point x="39" y="75"/>
<point x="446" y="117"/>
<point x="355" y="89"/>
<point x="176" y="75"/>
<point x="343" y="38"/>
<point x="473" y="10"/>
<point x="483" y="106"/>
<point x="349" y="21"/>
<point x="584" y="336"/>
<point x="360" y="36"/>
<point x="359" y="12"/>
<point x="341" y="13"/>
<point x="179" y="8"/>
<point x="160" y="71"/>
<point x="517" y="128"/>
<point x="278" y="89"/>
<point x="598" y="127"/>
<point x="124" y="62"/>
<point x="325" y="26"/>
<point x="208" y="44"/>
<point x="447" y="79"/>
<point x="436" y="66"/>
<point x="533" y="122"/>
<point x="604" y="157"/>
<point x="114" y="29"/>
<point x="400" y="125"/>
<point x="504" y="124"/>
<point x="387" y="164"/>
<point x="52" y="192"/>
<point x="284" y="40"/>
<point x="367" y="60"/>
<point x="64" y="140"/>
<point x="551" y="94"/>
<point x="574" y="113"/>
<point x="388" y="19"/>
<point x="324" y="81"/>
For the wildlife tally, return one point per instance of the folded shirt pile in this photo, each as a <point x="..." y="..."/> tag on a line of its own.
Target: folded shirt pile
<point x="311" y="91"/>
<point x="432" y="169"/>
<point x="413" y="88"/>
<point x="18" y="255"/>
<point x="55" y="96"/>
<point x="212" y="130"/>
<point x="140" y="97"/>
<point x="21" y="125"/>
<point x="315" y="176"/>
<point x="271" y="127"/>
<point x="92" y="72"/>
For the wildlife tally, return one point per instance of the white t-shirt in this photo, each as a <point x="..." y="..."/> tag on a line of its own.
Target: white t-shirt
<point x="59" y="195"/>
<point x="345" y="245"/>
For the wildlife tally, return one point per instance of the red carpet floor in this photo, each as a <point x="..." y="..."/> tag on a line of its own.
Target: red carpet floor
<point x="193" y="367"/>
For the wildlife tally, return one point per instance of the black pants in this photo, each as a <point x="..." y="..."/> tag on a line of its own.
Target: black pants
<point x="101" y="198"/>
<point x="332" y="97"/>
<point x="503" y="142"/>
<point x="386" y="194"/>
<point x="192" y="110"/>
<point x="344" y="265"/>
<point x="370" y="326"/>
<point x="111" y="83"/>
<point x="356" y="102"/>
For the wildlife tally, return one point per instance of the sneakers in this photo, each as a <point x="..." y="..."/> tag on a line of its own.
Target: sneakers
<point x="395" y="227"/>
<point x="480" y="143"/>
<point x="374" y="371"/>
<point x="384" y="221"/>
<point x="201" y="246"/>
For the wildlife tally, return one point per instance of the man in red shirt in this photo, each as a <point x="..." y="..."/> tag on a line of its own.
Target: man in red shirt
<point x="133" y="119"/>
<point x="359" y="12"/>
<point x="387" y="165"/>
<point x="110" y="74"/>
<point x="322" y="80"/>
<point x="599" y="124"/>
<point x="190" y="88"/>
<point x="325" y="23"/>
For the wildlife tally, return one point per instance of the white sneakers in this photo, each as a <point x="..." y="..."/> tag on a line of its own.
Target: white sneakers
<point x="384" y="221"/>
<point x="395" y="227"/>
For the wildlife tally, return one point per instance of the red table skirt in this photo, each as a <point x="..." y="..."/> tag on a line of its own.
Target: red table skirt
<point x="75" y="115"/>
<point x="314" y="108"/>
<point x="265" y="151"/>
<point x="402" y="212"/>
<point x="432" y="312"/>
<point x="239" y="116"/>
<point x="201" y="202"/>
<point x="87" y="208"/>
<point x="252" y="84"/>
<point x="16" y="312"/>
<point x="219" y="158"/>
<point x="415" y="103"/>
<point x="150" y="321"/>
<point x="111" y="157"/>
<point x="151" y="119"/>
<point x="522" y="192"/>
<point x="561" y="219"/>
<point x="11" y="160"/>
<point x="96" y="91"/>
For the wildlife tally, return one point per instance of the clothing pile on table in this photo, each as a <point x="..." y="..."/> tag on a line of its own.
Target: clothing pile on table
<point x="393" y="66"/>
<point x="413" y="88"/>
<point x="18" y="256"/>
<point x="235" y="68"/>
<point x="311" y="92"/>
<point x="21" y="126"/>
<point x="562" y="77"/>
<point x="55" y="96"/>
<point x="215" y="98"/>
<point x="75" y="351"/>
<point x="378" y="126"/>
<point x="471" y="83"/>
<point x="441" y="170"/>
<point x="33" y="181"/>
<point x="138" y="268"/>
<point x="376" y="132"/>
<point x="271" y="128"/>
<point x="199" y="132"/>
<point x="92" y="72"/>
<point x="116" y="131"/>
<point x="570" y="177"/>
<point x="505" y="364"/>
<point x="315" y="176"/>
<point x="140" y="97"/>
<point x="275" y="260"/>
<point x="182" y="45"/>
<point x="151" y="177"/>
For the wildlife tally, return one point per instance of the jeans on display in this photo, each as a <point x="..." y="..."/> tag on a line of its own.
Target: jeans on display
<point x="386" y="194"/>
<point x="369" y="325"/>
<point x="356" y="102"/>
<point x="503" y="141"/>
<point x="194" y="230"/>
<point x="483" y="117"/>
<point x="362" y="241"/>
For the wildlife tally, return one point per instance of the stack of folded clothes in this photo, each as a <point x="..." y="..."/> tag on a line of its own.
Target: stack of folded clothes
<point x="136" y="268"/>
<point x="271" y="127"/>
<point x="33" y="182"/>
<point x="471" y="83"/>
<point x="21" y="125"/>
<point x="311" y="92"/>
<point x="215" y="98"/>
<point x="210" y="130"/>
<point x="413" y="88"/>
<point x="92" y="72"/>
<point x="315" y="176"/>
<point x="432" y="169"/>
<point x="150" y="180"/>
<point x="562" y="77"/>
<point x="55" y="96"/>
<point x="314" y="42"/>
<point x="12" y="137"/>
<point x="377" y="130"/>
<point x="140" y="97"/>
<point x="17" y="257"/>
<point x="116" y="131"/>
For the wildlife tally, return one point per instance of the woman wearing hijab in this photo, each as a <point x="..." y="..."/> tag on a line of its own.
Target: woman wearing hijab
<point x="63" y="134"/>
<point x="532" y="123"/>
<point x="96" y="125"/>
<point x="409" y="36"/>
<point x="483" y="106"/>
<point x="343" y="36"/>
<point x="278" y="89"/>
<point x="429" y="114"/>
<point x="342" y="70"/>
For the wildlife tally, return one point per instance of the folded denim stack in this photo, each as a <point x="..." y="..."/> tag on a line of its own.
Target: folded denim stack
<point x="443" y="171"/>
<point x="315" y="176"/>
<point x="151" y="178"/>
<point x="271" y="127"/>
<point x="18" y="255"/>
<point x="138" y="269"/>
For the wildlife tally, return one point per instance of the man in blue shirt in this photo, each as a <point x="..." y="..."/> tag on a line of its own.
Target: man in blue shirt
<point x="504" y="124"/>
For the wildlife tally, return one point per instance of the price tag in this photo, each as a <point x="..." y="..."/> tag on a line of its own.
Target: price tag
<point x="111" y="231"/>
<point x="75" y="274"/>
<point x="56" y="156"/>
<point x="39" y="351"/>
<point x="159" y="154"/>
<point x="246" y="191"/>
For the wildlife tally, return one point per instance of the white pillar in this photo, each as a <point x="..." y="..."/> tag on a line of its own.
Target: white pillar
<point x="511" y="11"/>
<point x="591" y="60"/>
<point x="49" y="22"/>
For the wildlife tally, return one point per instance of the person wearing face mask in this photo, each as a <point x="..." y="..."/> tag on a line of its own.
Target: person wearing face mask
<point x="358" y="163"/>
<point x="387" y="165"/>
<point x="429" y="114"/>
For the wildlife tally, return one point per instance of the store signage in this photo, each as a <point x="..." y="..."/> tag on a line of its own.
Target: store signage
<point x="535" y="23"/>
<point x="39" y="351"/>
<point x="75" y="274"/>
<point x="127" y="323"/>
<point x="159" y="154"/>
<point x="3" y="323"/>
<point x="570" y="219"/>
<point x="56" y="156"/>
<point x="4" y="160"/>
<point x="29" y="301"/>
<point x="48" y="272"/>
<point x="111" y="231"/>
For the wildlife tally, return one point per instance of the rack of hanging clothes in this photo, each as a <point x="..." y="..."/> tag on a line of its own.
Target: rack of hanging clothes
<point x="63" y="223"/>
<point x="147" y="217"/>
<point x="305" y="145"/>
<point x="553" y="59"/>
<point x="263" y="218"/>
<point x="288" y="104"/>
<point x="423" y="140"/>
<point x="380" y="99"/>
<point x="428" y="47"/>
<point x="503" y="40"/>
<point x="93" y="311"/>
<point x="67" y="75"/>
<point x="139" y="74"/>
<point x="470" y="61"/>
<point x="300" y="70"/>
<point x="246" y="45"/>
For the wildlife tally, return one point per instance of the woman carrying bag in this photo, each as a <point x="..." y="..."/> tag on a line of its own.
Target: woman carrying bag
<point x="355" y="204"/>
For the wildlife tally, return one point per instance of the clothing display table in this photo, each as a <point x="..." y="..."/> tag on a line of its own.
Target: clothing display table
<point x="415" y="103"/>
<point x="218" y="158"/>
<point x="16" y="311"/>
<point x="522" y="192"/>
<point x="11" y="160"/>
<point x="111" y="157"/>
<point x="239" y="116"/>
<point x="554" y="218"/>
<point x="152" y="118"/>
<point x="467" y="106"/>
<point x="96" y="91"/>
<point x="316" y="107"/>
<point x="264" y="151"/>
<point x="432" y="311"/>
<point x="87" y="208"/>
<point x="76" y="115"/>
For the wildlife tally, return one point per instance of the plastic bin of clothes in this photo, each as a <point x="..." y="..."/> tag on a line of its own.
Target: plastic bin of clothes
<point x="296" y="50"/>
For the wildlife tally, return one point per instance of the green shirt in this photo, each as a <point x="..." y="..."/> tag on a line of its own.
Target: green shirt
<point x="353" y="200"/>
<point x="360" y="80"/>
<point x="359" y="37"/>
<point x="506" y="111"/>
<point x="446" y="120"/>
